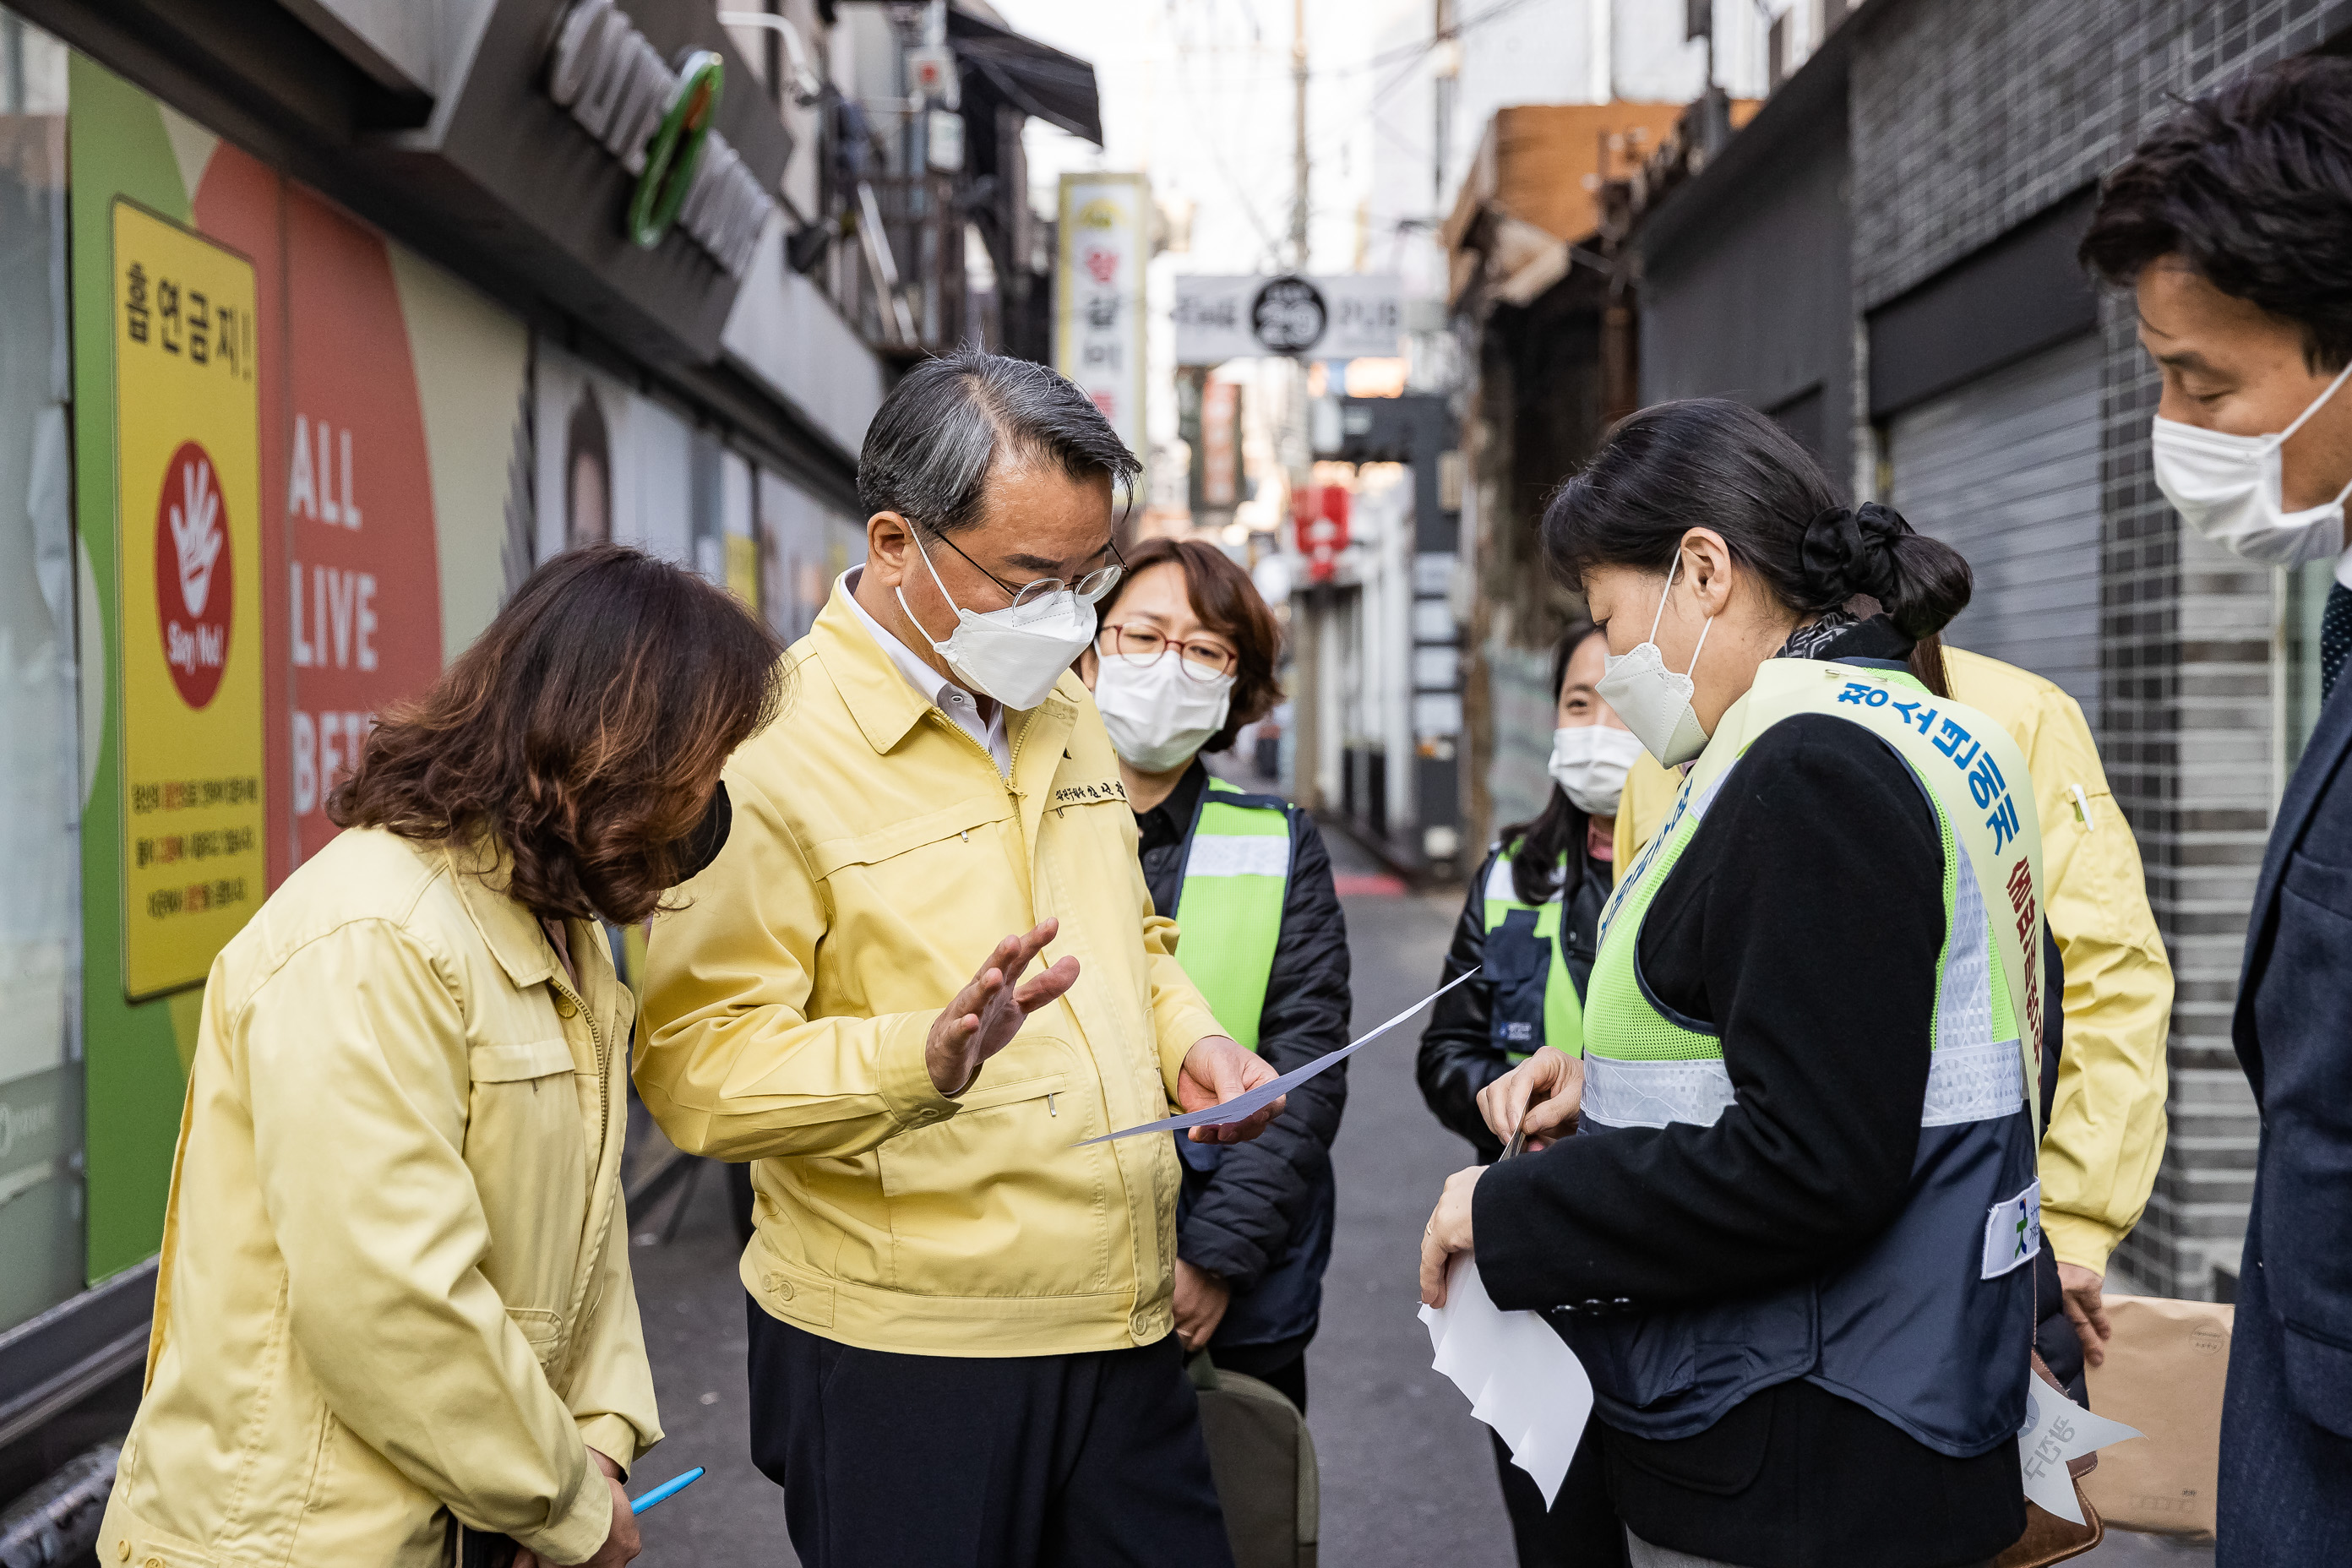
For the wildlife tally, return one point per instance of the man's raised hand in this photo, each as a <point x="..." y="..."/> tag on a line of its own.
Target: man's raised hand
<point x="987" y="1013"/>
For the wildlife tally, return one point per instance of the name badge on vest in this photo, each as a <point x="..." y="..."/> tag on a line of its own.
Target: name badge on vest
<point x="2012" y="1233"/>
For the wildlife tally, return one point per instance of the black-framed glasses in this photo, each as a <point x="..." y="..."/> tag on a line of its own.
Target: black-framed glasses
<point x="1090" y="588"/>
<point x="1200" y="660"/>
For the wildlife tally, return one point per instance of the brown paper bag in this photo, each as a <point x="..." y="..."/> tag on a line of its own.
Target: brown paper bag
<point x="2164" y="1373"/>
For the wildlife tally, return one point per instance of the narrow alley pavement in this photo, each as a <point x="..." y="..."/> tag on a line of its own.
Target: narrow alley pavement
<point x="1408" y="1478"/>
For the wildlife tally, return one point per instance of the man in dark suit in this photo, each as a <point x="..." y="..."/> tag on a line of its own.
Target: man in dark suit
<point x="2233" y="224"/>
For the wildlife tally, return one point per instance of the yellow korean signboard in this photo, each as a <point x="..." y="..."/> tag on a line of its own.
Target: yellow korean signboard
<point x="188" y="498"/>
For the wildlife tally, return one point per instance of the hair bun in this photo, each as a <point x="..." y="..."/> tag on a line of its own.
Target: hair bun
<point x="1852" y="550"/>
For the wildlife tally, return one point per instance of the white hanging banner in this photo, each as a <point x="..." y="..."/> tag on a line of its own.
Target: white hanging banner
<point x="1347" y="315"/>
<point x="1099" y="322"/>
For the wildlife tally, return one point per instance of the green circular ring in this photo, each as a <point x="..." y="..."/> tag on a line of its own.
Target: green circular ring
<point x="675" y="151"/>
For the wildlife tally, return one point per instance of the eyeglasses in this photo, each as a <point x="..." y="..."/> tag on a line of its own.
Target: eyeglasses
<point x="1090" y="588"/>
<point x="1200" y="660"/>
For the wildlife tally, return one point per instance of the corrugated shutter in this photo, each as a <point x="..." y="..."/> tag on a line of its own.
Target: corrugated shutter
<point x="2006" y="471"/>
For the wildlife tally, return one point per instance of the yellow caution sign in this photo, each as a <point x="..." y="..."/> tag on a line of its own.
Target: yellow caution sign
<point x="188" y="494"/>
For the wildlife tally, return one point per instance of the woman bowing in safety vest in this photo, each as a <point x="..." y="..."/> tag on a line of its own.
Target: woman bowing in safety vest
<point x="1788" y="1241"/>
<point x="1182" y="660"/>
<point x="1529" y="928"/>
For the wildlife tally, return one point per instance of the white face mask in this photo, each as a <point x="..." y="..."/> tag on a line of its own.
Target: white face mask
<point x="1655" y="702"/>
<point x="1158" y="716"/>
<point x="1589" y="760"/>
<point x="2230" y="489"/>
<point x="1014" y="654"/>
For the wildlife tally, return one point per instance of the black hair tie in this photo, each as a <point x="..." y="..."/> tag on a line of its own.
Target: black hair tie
<point x="1851" y="549"/>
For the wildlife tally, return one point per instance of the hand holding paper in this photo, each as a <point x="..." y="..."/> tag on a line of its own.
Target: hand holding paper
<point x="1244" y="1105"/>
<point x="1216" y="1072"/>
<point x="1521" y="1379"/>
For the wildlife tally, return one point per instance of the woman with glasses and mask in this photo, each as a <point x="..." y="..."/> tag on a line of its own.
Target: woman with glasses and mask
<point x="393" y="1316"/>
<point x="1790" y="1239"/>
<point x="1183" y="661"/>
<point x="1529" y="928"/>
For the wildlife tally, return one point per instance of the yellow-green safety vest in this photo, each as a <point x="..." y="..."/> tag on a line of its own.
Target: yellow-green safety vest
<point x="1229" y="904"/>
<point x="1526" y="960"/>
<point x="1929" y="1326"/>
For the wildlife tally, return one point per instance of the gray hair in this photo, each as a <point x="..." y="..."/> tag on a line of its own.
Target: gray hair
<point x="950" y="419"/>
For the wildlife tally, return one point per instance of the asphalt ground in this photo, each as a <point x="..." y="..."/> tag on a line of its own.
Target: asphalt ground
<point x="1408" y="1476"/>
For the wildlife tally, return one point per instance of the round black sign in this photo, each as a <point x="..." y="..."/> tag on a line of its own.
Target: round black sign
<point x="1289" y="315"/>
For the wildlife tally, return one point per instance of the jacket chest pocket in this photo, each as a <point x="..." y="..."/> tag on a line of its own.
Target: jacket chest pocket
<point x="1520" y="963"/>
<point x="528" y="1147"/>
<point x="960" y="1190"/>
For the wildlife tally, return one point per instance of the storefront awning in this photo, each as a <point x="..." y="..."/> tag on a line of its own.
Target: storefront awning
<point x="1035" y="79"/>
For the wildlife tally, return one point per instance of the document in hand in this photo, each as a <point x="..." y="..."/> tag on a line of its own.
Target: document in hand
<point x="1240" y="1106"/>
<point x="2057" y="1429"/>
<point x="1522" y="1379"/>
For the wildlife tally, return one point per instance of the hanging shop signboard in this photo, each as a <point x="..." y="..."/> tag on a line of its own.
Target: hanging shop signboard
<point x="1345" y="316"/>
<point x="187" y="454"/>
<point x="657" y="122"/>
<point x="1098" y="321"/>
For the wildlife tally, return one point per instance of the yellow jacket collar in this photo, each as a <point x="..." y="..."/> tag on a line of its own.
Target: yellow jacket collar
<point x="481" y="872"/>
<point x="876" y="693"/>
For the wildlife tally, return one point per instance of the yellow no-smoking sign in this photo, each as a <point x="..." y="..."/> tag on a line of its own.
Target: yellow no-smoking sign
<point x="188" y="501"/>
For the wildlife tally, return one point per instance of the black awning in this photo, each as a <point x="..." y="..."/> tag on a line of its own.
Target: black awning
<point x="1035" y="79"/>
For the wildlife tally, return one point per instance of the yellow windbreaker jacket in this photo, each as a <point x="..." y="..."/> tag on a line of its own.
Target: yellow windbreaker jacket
<point x="395" y="1282"/>
<point x="2105" y="1137"/>
<point x="877" y="855"/>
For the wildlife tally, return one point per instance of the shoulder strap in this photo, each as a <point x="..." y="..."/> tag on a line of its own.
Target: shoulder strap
<point x="1971" y="766"/>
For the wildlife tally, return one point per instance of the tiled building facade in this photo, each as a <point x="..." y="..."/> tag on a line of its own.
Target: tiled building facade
<point x="1967" y="119"/>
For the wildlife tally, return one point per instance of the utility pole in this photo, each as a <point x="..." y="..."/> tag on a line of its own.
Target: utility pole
<point x="1298" y="156"/>
<point x="1445" y="79"/>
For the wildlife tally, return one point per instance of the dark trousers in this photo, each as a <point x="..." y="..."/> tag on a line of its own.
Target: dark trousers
<point x="893" y="1461"/>
<point x="1580" y="1529"/>
<point x="2286" y="1480"/>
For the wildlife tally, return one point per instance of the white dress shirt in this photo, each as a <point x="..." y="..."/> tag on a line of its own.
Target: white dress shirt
<point x="961" y="707"/>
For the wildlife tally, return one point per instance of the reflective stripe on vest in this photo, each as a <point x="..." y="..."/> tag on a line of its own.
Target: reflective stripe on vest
<point x="1929" y="1326"/>
<point x="1533" y="990"/>
<point x="1236" y="873"/>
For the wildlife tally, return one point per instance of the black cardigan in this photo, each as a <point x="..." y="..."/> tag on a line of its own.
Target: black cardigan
<point x="1240" y="1225"/>
<point x="1805" y="924"/>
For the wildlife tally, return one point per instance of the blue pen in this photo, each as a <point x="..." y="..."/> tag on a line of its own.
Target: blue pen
<point x="667" y="1489"/>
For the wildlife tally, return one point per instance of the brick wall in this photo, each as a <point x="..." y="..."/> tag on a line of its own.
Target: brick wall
<point x="1967" y="118"/>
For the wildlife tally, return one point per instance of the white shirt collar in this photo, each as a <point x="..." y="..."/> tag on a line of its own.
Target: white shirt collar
<point x="924" y="680"/>
<point x="960" y="706"/>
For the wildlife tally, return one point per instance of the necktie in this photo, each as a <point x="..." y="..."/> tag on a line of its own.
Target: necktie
<point x="2334" y="636"/>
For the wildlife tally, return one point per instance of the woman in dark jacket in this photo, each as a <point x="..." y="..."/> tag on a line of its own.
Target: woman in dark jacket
<point x="1184" y="659"/>
<point x="1790" y="1238"/>
<point x="1529" y="927"/>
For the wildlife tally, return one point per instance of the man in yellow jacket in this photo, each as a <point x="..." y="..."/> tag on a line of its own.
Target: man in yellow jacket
<point x="961" y="1333"/>
<point x="2105" y="1137"/>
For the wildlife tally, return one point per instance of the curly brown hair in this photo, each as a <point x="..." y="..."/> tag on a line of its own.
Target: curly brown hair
<point x="582" y="732"/>
<point x="1229" y="604"/>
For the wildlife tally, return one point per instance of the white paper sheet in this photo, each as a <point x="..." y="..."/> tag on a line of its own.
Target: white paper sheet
<point x="2057" y="1429"/>
<point x="1521" y="1379"/>
<point x="1239" y="1107"/>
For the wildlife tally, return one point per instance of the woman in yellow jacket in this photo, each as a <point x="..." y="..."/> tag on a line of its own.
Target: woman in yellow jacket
<point x="2106" y="1127"/>
<point x="393" y="1307"/>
